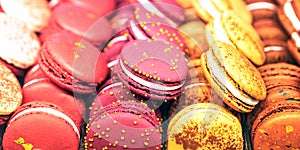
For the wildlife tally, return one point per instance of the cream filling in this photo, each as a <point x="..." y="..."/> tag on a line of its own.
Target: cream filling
<point x="290" y="13"/>
<point x="220" y="33"/>
<point x="210" y="8"/>
<point x="112" y="85"/>
<point x="296" y="37"/>
<point x="137" y="32"/>
<point x="223" y="80"/>
<point x="117" y="39"/>
<point x="35" y="81"/>
<point x="147" y="83"/>
<point x="52" y="112"/>
<point x="53" y="3"/>
<point x="261" y="5"/>
<point x="112" y="63"/>
<point x="151" y="8"/>
<point x="273" y="48"/>
<point x="194" y="85"/>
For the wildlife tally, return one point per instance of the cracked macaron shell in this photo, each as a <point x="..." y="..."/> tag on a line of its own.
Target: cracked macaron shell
<point x="203" y="125"/>
<point x="277" y="127"/>
<point x="124" y="125"/>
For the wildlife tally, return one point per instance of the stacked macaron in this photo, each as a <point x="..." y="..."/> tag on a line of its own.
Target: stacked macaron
<point x="288" y="15"/>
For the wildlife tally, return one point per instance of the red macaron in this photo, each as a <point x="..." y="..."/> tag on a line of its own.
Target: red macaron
<point x="153" y="69"/>
<point x="38" y="87"/>
<point x="124" y="125"/>
<point x="80" y="21"/>
<point x="40" y="125"/>
<point x="73" y="63"/>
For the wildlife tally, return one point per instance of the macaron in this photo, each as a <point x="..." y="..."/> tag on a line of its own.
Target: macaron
<point x="288" y="16"/>
<point x="277" y="51"/>
<point x="234" y="78"/>
<point x="262" y="9"/>
<point x="73" y="63"/>
<point x="42" y="89"/>
<point x="150" y="26"/>
<point x="40" y="125"/>
<point x="205" y="126"/>
<point x="114" y="92"/>
<point x="210" y="10"/>
<point x="280" y="74"/>
<point x="194" y="36"/>
<point x="270" y="29"/>
<point x="101" y="7"/>
<point x="229" y="28"/>
<point x="124" y="125"/>
<point x="293" y="45"/>
<point x="157" y="71"/>
<point x="275" y="95"/>
<point x="277" y="127"/>
<point x="20" y="44"/>
<point x="79" y="21"/>
<point x="167" y="10"/>
<point x="34" y="13"/>
<point x="11" y="93"/>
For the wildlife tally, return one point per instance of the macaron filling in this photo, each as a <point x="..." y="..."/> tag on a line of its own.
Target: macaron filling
<point x="290" y="13"/>
<point x="296" y="38"/>
<point x="273" y="48"/>
<point x="194" y="85"/>
<point x="223" y="79"/>
<point x="138" y="33"/>
<point x="146" y="83"/>
<point x="261" y="5"/>
<point x="50" y="111"/>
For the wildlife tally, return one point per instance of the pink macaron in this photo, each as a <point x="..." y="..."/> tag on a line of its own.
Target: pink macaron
<point x="153" y="68"/>
<point x="124" y="125"/>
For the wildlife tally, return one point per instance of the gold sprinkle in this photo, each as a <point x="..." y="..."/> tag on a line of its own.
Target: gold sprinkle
<point x="125" y="146"/>
<point x="122" y="138"/>
<point x="76" y="56"/>
<point x="155" y="72"/>
<point x="132" y="141"/>
<point x="90" y="15"/>
<point x="107" y="129"/>
<point x="142" y="134"/>
<point x="123" y="131"/>
<point x="140" y="116"/>
<point x="111" y="93"/>
<point x="135" y="122"/>
<point x="79" y="45"/>
<point x="107" y="136"/>
<point x="115" y="121"/>
<point x="98" y="126"/>
<point x="289" y="129"/>
<point x="146" y="144"/>
<point x="99" y="137"/>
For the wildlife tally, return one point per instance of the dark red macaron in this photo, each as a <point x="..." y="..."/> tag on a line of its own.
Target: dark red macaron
<point x="42" y="89"/>
<point x="153" y="69"/>
<point x="73" y="63"/>
<point x="79" y="21"/>
<point x="40" y="125"/>
<point x="124" y="125"/>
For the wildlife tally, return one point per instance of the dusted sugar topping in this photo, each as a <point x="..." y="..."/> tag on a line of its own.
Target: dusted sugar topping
<point x="20" y="46"/>
<point x="10" y="91"/>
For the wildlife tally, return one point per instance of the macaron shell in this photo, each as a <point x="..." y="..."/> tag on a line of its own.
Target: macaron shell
<point x="82" y="22"/>
<point x="167" y="62"/>
<point x="133" y="125"/>
<point x="262" y="9"/>
<point x="35" y="72"/>
<point x="294" y="49"/>
<point x="101" y="7"/>
<point x="22" y="43"/>
<point x="223" y="93"/>
<point x="276" y="127"/>
<point x="50" y="130"/>
<point x="34" y="13"/>
<point x="269" y="29"/>
<point x="277" y="51"/>
<point x="240" y="8"/>
<point x="243" y="37"/>
<point x="212" y="120"/>
<point x="240" y="69"/>
<point x="70" y="55"/>
<point x="10" y="89"/>
<point x="43" y="91"/>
